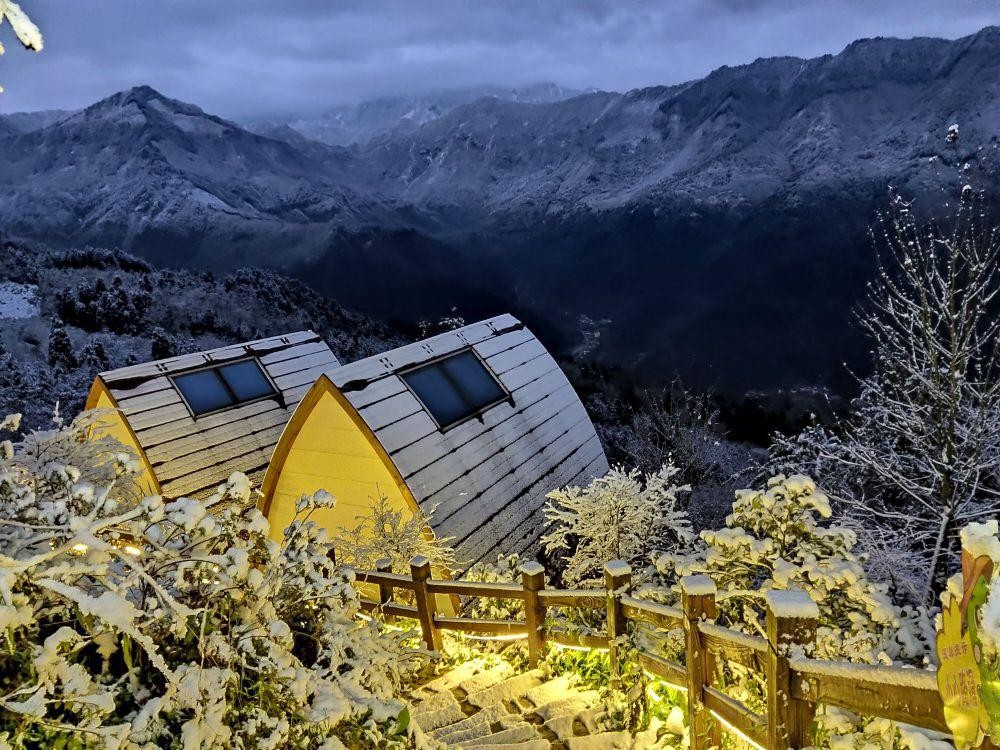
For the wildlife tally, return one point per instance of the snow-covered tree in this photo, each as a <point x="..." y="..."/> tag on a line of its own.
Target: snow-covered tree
<point x="920" y="454"/>
<point x="132" y="623"/>
<point x="620" y="516"/>
<point x="60" y="348"/>
<point x="385" y="533"/>
<point x="25" y="30"/>
<point x="94" y="357"/>
<point x="506" y="569"/>
<point x="161" y="346"/>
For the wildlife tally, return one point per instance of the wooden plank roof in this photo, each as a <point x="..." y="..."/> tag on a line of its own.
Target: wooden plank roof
<point x="191" y="455"/>
<point x="483" y="481"/>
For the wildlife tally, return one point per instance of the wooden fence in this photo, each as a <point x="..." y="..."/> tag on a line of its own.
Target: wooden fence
<point x="795" y="683"/>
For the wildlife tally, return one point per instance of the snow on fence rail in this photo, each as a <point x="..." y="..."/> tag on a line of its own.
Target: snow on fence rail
<point x="795" y="683"/>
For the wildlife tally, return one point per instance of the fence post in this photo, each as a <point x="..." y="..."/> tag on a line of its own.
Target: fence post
<point x="384" y="565"/>
<point x="698" y="601"/>
<point x="420" y="569"/>
<point x="617" y="578"/>
<point x="791" y="621"/>
<point x="533" y="581"/>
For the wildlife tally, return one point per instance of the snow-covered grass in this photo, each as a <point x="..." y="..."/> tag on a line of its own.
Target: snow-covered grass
<point x="18" y="301"/>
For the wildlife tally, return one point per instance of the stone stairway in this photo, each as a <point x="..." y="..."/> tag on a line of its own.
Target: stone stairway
<point x="476" y="708"/>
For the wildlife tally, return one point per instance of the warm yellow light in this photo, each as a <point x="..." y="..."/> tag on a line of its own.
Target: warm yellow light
<point x="502" y="637"/>
<point x="80" y="548"/>
<point x="570" y="647"/>
<point x="131" y="550"/>
<point x="736" y="731"/>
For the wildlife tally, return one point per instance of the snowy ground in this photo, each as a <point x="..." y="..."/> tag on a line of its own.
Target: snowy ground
<point x="18" y="301"/>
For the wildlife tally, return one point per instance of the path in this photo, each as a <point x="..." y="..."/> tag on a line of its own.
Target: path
<point x="472" y="708"/>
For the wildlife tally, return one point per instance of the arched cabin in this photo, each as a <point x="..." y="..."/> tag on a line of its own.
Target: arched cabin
<point x="470" y="429"/>
<point x="195" y="419"/>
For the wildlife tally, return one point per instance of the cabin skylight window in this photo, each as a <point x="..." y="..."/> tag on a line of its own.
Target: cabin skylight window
<point x="455" y="388"/>
<point x="224" y="386"/>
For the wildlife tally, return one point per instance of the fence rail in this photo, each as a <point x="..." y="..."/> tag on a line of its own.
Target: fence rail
<point x="795" y="683"/>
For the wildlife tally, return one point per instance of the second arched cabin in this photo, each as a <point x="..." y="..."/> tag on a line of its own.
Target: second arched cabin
<point x="470" y="429"/>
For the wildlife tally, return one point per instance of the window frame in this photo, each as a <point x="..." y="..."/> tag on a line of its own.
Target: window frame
<point x="275" y="390"/>
<point x="507" y="396"/>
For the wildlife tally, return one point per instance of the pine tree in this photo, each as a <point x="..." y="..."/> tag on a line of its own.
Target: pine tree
<point x="161" y="345"/>
<point x="94" y="357"/>
<point x="60" y="350"/>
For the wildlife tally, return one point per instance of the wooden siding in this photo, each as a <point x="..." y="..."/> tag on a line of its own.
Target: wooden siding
<point x="484" y="481"/>
<point x="190" y="456"/>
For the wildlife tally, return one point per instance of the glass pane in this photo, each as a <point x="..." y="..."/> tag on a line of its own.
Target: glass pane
<point x="474" y="381"/>
<point x="438" y="394"/>
<point x="246" y="380"/>
<point x="203" y="391"/>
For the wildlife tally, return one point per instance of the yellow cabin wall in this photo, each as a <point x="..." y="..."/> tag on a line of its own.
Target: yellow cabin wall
<point x="112" y="423"/>
<point x="330" y="453"/>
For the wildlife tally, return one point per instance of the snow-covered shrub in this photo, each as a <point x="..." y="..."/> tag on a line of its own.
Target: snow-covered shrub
<point x="382" y="532"/>
<point x="507" y="569"/>
<point x="620" y="516"/>
<point x="774" y="539"/>
<point x="783" y="537"/>
<point x="983" y="540"/>
<point x="134" y="623"/>
<point x="25" y="30"/>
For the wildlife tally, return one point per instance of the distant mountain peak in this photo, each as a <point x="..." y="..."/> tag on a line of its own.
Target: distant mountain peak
<point x="373" y="118"/>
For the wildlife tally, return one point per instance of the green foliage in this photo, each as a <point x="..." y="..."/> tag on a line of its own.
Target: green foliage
<point x="505" y="570"/>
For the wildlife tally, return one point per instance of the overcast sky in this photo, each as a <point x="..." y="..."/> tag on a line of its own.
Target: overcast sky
<point x="241" y="58"/>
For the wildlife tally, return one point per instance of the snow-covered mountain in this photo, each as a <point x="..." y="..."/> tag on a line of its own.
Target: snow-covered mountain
<point x="360" y="123"/>
<point x="716" y="227"/>
<point x="24" y="122"/>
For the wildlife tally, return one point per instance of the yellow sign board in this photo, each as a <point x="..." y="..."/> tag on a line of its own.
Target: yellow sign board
<point x="969" y="687"/>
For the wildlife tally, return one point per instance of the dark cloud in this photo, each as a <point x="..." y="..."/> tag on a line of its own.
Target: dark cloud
<point x="255" y="56"/>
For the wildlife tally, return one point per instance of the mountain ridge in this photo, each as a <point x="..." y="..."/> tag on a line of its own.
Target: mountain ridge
<point x="661" y="210"/>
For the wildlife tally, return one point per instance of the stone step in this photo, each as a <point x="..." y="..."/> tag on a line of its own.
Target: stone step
<point x="441" y="717"/>
<point x="573" y="704"/>
<point x="523" y="733"/>
<point x="473" y="728"/>
<point x="487" y="678"/>
<point x="508" y="690"/>
<point x="562" y="726"/>
<point x="538" y="744"/>
<point x="489" y="715"/>
<point x="434" y="702"/>
<point x="453" y="678"/>
<point x="601" y="741"/>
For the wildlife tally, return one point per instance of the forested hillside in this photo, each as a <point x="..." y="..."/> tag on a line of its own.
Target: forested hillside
<point x="67" y="315"/>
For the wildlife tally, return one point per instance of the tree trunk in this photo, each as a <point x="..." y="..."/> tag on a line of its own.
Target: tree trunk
<point x="937" y="575"/>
